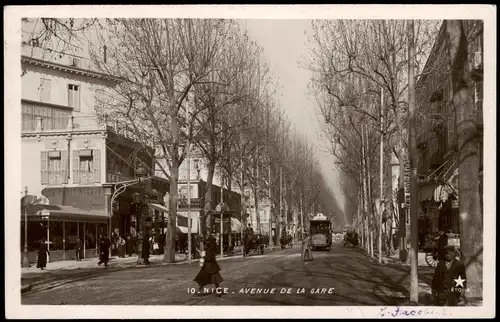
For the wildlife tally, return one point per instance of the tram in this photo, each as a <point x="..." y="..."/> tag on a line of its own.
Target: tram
<point x="320" y="232"/>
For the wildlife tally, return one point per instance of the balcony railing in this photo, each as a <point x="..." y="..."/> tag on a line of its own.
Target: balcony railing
<point x="49" y="124"/>
<point x="195" y="203"/>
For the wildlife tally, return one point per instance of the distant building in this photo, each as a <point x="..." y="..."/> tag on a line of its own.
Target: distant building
<point x="198" y="176"/>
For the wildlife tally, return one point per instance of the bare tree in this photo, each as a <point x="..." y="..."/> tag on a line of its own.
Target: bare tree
<point x="159" y="62"/>
<point x="471" y="216"/>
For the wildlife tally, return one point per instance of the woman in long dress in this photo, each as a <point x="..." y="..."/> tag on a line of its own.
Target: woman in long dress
<point x="209" y="272"/>
<point x="42" y="255"/>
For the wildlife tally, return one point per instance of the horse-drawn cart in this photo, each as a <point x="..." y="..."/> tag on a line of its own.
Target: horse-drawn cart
<point x="432" y="252"/>
<point x="254" y="242"/>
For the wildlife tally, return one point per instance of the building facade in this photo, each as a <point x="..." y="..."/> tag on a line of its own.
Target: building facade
<point x="437" y="139"/>
<point x="74" y="158"/>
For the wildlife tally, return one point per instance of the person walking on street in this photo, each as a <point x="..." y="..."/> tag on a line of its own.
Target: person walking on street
<point x="122" y="244"/>
<point x="79" y="249"/>
<point x="130" y="246"/>
<point x="209" y="272"/>
<point x="448" y="283"/>
<point x="442" y="242"/>
<point x="43" y="253"/>
<point x="104" y="246"/>
<point x="306" y="249"/>
<point x="145" y="251"/>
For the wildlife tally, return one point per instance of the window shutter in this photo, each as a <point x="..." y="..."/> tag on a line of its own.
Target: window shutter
<point x="64" y="166"/>
<point x="76" y="166"/>
<point x="44" y="167"/>
<point x="97" y="165"/>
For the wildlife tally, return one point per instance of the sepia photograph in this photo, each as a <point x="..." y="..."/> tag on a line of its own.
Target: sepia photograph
<point x="250" y="161"/>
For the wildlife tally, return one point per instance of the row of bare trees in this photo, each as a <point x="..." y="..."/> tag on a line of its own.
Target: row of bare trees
<point x="203" y="84"/>
<point x="361" y="82"/>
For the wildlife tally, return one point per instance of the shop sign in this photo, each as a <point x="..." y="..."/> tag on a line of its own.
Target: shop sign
<point x="406" y="181"/>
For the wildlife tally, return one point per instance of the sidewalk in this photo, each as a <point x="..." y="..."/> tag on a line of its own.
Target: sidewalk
<point x="92" y="262"/>
<point x="116" y="262"/>
<point x="424" y="288"/>
<point x="120" y="262"/>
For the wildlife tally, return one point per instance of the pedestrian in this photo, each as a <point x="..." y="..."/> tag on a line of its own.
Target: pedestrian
<point x="442" y="242"/>
<point x="145" y="250"/>
<point x="209" y="272"/>
<point x="104" y="246"/>
<point x="79" y="249"/>
<point x="182" y="243"/>
<point x="306" y="249"/>
<point x="448" y="283"/>
<point x="43" y="253"/>
<point x="130" y="246"/>
<point x="122" y="244"/>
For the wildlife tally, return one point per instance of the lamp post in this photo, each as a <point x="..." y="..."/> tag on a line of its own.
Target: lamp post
<point x="25" y="202"/>
<point x="141" y="175"/>
<point x="108" y="210"/>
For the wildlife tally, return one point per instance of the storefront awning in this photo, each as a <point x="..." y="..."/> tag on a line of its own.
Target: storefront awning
<point x="62" y="213"/>
<point x="235" y="225"/>
<point x="183" y="230"/>
<point x="159" y="207"/>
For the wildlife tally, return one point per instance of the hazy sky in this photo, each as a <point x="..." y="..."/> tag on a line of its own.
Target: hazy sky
<point x="283" y="42"/>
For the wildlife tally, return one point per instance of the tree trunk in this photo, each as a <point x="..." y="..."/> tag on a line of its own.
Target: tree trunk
<point x="366" y="223"/>
<point x="471" y="217"/>
<point x="169" y="255"/>
<point x="413" y="166"/>
<point x="207" y="213"/>
<point x="369" y="196"/>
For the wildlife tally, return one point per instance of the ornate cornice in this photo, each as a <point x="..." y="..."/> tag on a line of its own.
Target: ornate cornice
<point x="68" y="69"/>
<point x="66" y="133"/>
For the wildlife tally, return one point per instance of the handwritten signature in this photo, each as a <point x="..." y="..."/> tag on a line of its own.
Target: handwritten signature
<point x="402" y="312"/>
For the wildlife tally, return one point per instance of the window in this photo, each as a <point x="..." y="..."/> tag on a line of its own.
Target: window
<point x="54" y="167"/>
<point x="86" y="166"/>
<point x="74" y="96"/>
<point x="45" y="85"/>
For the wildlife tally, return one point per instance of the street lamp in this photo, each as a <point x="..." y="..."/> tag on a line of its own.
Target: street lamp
<point x="26" y="201"/>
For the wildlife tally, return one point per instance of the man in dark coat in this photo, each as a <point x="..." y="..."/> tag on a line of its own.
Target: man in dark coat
<point x="145" y="250"/>
<point x="79" y="249"/>
<point x="104" y="245"/>
<point x="42" y="255"/>
<point x="442" y="242"/>
<point x="209" y="273"/>
<point x="448" y="283"/>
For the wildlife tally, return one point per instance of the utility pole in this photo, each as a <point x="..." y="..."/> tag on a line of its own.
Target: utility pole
<point x="381" y="175"/>
<point x="413" y="166"/>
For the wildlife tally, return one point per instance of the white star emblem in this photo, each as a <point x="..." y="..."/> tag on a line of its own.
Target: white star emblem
<point x="459" y="281"/>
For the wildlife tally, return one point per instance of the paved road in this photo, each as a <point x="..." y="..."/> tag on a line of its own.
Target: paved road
<point x="349" y="276"/>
